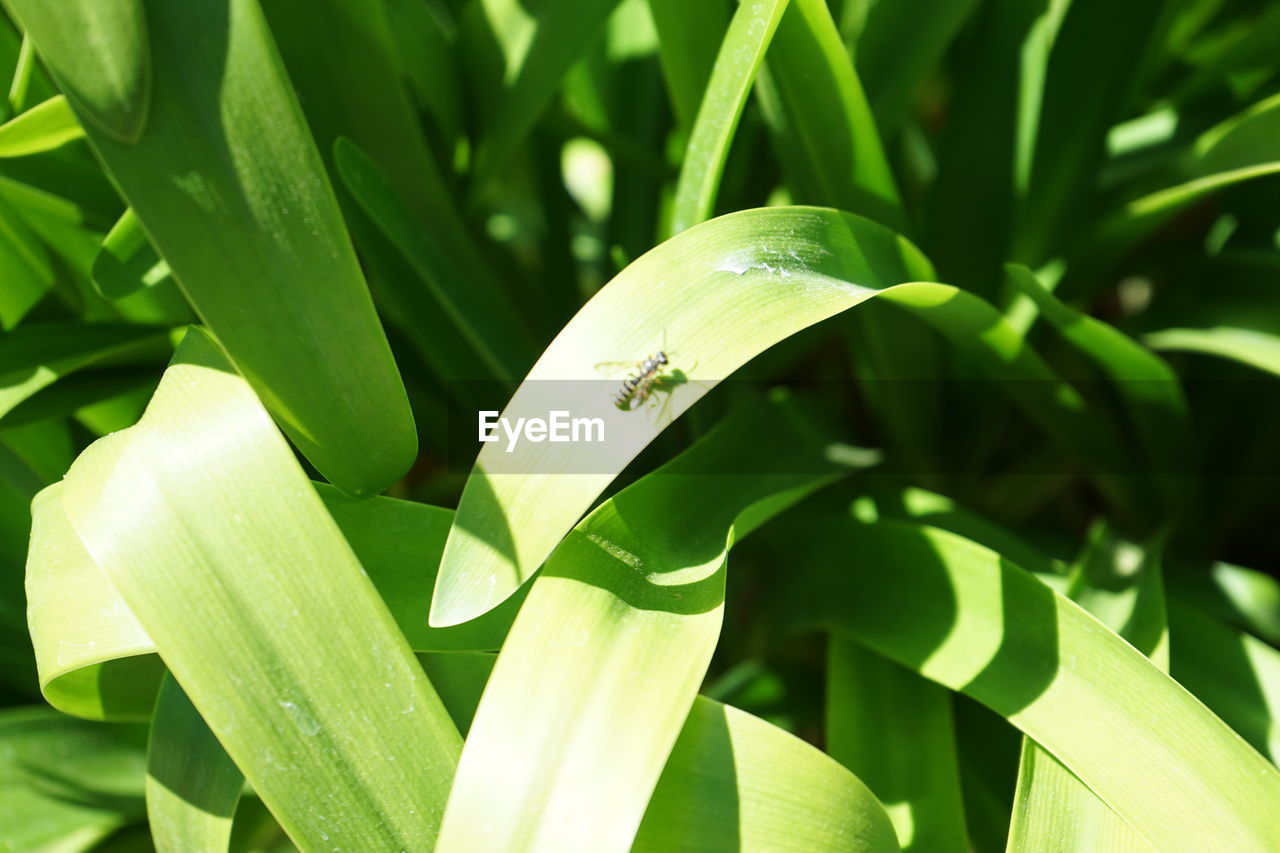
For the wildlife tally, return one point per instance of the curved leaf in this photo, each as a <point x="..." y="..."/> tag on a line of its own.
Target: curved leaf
<point x="200" y="515"/>
<point x="784" y="269"/>
<point x="1120" y="583"/>
<point x="962" y="616"/>
<point x="734" y="782"/>
<point x="97" y="661"/>
<point x="603" y="661"/>
<point x="1254" y="347"/>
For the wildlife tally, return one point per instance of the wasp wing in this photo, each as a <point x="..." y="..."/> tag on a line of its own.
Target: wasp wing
<point x="613" y="368"/>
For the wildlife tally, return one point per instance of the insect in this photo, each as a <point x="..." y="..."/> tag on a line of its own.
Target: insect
<point x="637" y="387"/>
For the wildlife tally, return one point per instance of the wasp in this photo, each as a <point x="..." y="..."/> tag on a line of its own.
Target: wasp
<point x="637" y="387"/>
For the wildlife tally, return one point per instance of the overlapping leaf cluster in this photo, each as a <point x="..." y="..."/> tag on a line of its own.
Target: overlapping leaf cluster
<point x="1002" y="275"/>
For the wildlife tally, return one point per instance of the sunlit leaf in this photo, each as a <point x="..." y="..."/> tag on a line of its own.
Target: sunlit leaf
<point x="962" y="616"/>
<point x="313" y="723"/>
<point x="256" y="243"/>
<point x="42" y="128"/>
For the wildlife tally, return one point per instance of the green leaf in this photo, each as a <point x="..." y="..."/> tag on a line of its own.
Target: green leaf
<point x="687" y="48"/>
<point x="732" y="782"/>
<point x="192" y="786"/>
<point x="1254" y="347"/>
<point x="894" y="730"/>
<point x="1245" y="598"/>
<point x="1239" y="149"/>
<point x="1053" y="810"/>
<point x="935" y="510"/>
<point x="98" y="662"/>
<point x="740" y="56"/>
<point x="337" y="52"/>
<point x="1146" y="386"/>
<point x="37" y="355"/>
<point x="1120" y="583"/>
<point x="785" y="269"/>
<point x="831" y="154"/>
<point x="1234" y="673"/>
<point x="257" y="242"/>
<point x="899" y="44"/>
<point x="23" y="71"/>
<point x="705" y="781"/>
<point x="42" y="128"/>
<point x="563" y="31"/>
<point x="66" y="784"/>
<point x="735" y="782"/>
<point x="627" y="613"/>
<point x="1097" y="58"/>
<point x="26" y="265"/>
<point x="127" y="262"/>
<point x="425" y="49"/>
<point x="820" y="119"/>
<point x="960" y="615"/>
<point x="100" y="56"/>
<point x="335" y="64"/>
<point x="262" y="612"/>
<point x="985" y="148"/>
<point x="484" y="317"/>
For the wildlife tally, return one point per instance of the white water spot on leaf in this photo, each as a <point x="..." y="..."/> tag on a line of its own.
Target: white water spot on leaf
<point x="779" y="262"/>
<point x="616" y="551"/>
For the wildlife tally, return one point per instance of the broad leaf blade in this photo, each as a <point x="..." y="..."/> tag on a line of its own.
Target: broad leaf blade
<point x="894" y="730"/>
<point x="256" y="240"/>
<point x="516" y="507"/>
<point x="734" y="782"/>
<point x="66" y="784"/>
<point x="719" y="272"/>
<point x="961" y="616"/>
<point x="202" y="517"/>
<point x="603" y="662"/>
<point x="192" y="786"/>
<point x="99" y="53"/>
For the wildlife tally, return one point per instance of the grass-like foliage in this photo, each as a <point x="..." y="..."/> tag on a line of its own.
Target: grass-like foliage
<point x="934" y="352"/>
